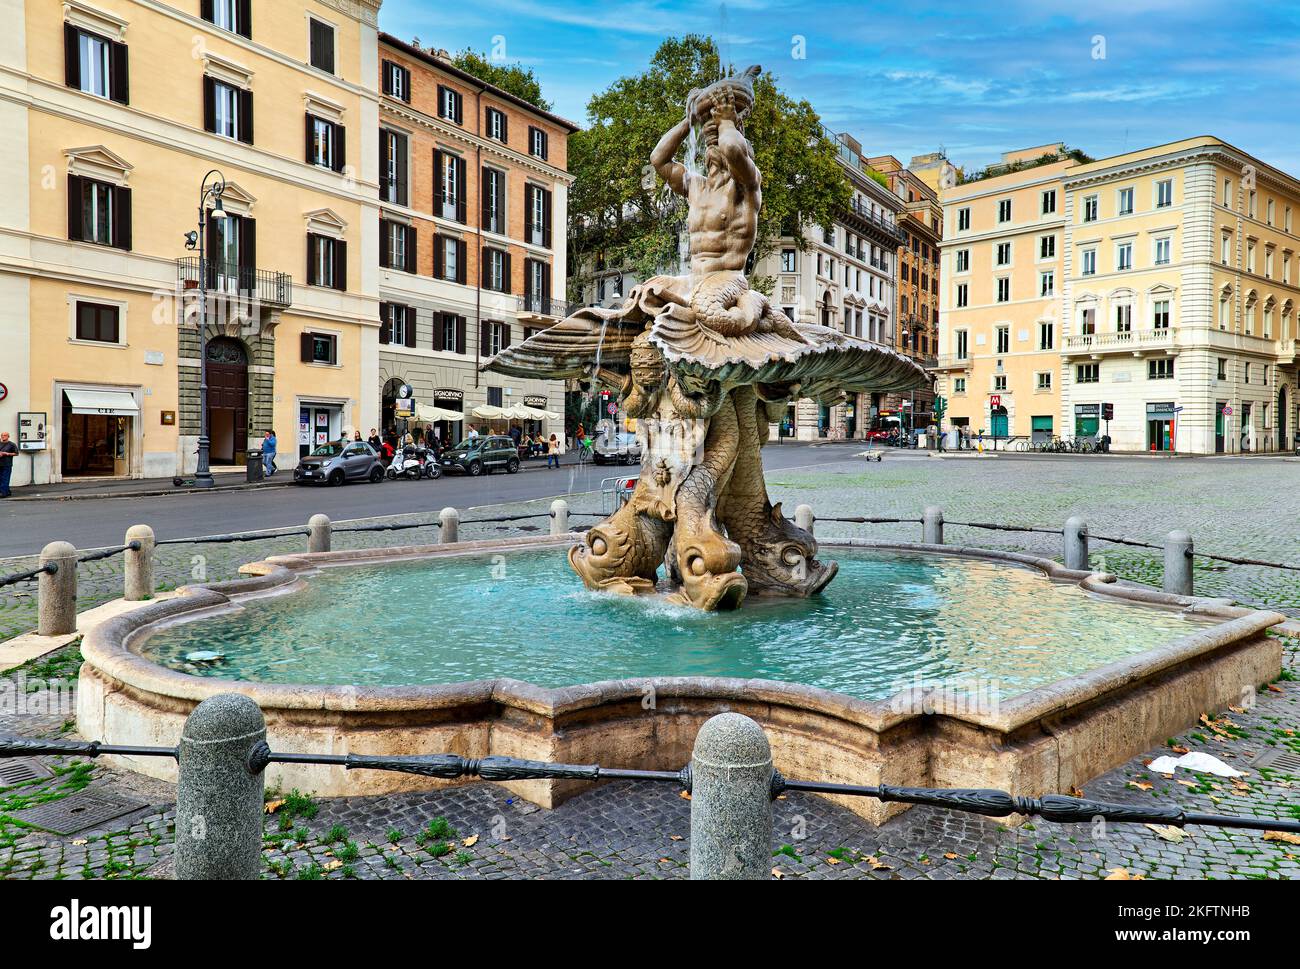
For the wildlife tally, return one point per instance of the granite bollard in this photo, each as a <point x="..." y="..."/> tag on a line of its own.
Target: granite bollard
<point x="138" y="564"/>
<point x="319" y="533"/>
<point x="932" y="526"/>
<point x="559" y="517"/>
<point x="1178" y="563"/>
<point x="56" y="592"/>
<point x="449" y="533"/>
<point x="1076" y="544"/>
<point x="804" y="518"/>
<point x="219" y="799"/>
<point x="731" y="801"/>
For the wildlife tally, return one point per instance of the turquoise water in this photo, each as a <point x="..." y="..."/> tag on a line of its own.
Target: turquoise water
<point x="885" y="623"/>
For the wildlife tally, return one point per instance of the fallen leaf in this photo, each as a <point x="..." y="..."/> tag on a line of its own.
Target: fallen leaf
<point x="80" y="841"/>
<point x="685" y="795"/>
<point x="1075" y="792"/>
<point x="1275" y="688"/>
<point x="334" y="865"/>
<point x="471" y="841"/>
<point x="1141" y="785"/>
<point x="675" y="837"/>
<point x="273" y="806"/>
<point x="1189" y="783"/>
<point x="1123" y="875"/>
<point x="833" y="861"/>
<point x="1287" y="836"/>
<point x="950" y="855"/>
<point x="1180" y="749"/>
<point x="1169" y="833"/>
<point x="876" y="864"/>
<point x="778" y="874"/>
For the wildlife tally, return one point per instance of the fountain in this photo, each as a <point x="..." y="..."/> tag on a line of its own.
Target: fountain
<point x="705" y="364"/>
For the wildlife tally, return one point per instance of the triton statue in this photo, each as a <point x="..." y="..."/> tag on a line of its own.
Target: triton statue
<point x="705" y="364"/>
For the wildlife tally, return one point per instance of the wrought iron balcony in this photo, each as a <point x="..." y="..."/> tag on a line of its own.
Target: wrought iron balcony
<point x="867" y="219"/>
<point x="533" y="305"/>
<point x="263" y="286"/>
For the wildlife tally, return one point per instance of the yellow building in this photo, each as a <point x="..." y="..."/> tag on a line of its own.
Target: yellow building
<point x="114" y="112"/>
<point x="1000" y="274"/>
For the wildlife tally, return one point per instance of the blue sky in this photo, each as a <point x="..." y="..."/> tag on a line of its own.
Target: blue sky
<point x="912" y="76"/>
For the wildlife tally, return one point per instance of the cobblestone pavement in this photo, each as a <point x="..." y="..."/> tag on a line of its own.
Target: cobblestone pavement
<point x="1231" y="506"/>
<point x="640" y="830"/>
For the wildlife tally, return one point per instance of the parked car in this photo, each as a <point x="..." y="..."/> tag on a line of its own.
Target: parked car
<point x="340" y="461"/>
<point x="482" y="455"/>
<point x="619" y="448"/>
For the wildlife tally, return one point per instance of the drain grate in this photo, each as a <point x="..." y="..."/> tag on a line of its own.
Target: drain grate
<point x="22" y="769"/>
<point x="1278" y="759"/>
<point x="77" y="812"/>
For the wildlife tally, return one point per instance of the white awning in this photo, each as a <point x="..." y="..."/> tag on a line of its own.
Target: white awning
<point x="114" y="403"/>
<point x="429" y="414"/>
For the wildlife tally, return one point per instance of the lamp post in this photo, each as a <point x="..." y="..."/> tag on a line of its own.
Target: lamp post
<point x="209" y="190"/>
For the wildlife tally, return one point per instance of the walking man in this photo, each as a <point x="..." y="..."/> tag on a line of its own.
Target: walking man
<point x="8" y="450"/>
<point x="268" y="453"/>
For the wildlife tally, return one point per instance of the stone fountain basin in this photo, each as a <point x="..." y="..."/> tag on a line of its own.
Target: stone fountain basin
<point x="1042" y="741"/>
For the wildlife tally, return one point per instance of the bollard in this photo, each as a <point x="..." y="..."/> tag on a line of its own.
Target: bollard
<point x="219" y="797"/>
<point x="319" y="533"/>
<point x="450" y="531"/>
<point x="731" y="801"/>
<point x="57" y="593"/>
<point x="803" y="518"/>
<point x="559" y="517"/>
<point x="1076" y="544"/>
<point x="1178" y="563"/>
<point x="932" y="526"/>
<point x="138" y="567"/>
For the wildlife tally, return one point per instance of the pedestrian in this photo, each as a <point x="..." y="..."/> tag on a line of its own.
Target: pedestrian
<point x="7" y="451"/>
<point x="374" y="440"/>
<point x="473" y="433"/>
<point x="268" y="453"/>
<point x="516" y="432"/>
<point x="553" y="454"/>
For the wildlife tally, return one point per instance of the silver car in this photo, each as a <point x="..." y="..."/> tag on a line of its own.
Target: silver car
<point x="340" y="461"/>
<point x="619" y="448"/>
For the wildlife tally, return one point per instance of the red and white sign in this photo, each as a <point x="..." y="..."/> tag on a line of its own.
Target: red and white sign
<point x="995" y="401"/>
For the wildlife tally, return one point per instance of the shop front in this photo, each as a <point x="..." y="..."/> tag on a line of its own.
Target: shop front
<point x="1161" y="426"/>
<point x="448" y="433"/>
<point x="318" y="423"/>
<point x="98" y="435"/>
<point x="1087" y="421"/>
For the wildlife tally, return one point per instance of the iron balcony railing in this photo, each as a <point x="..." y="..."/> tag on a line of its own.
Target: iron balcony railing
<point x="541" y="306"/>
<point x="261" y="285"/>
<point x="877" y="221"/>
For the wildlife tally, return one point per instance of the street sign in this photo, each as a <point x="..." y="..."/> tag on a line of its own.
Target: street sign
<point x="1227" y="411"/>
<point x="31" y="432"/>
<point x="1107" y="412"/>
<point x="612" y="409"/>
<point x="995" y="401"/>
<point x="1178" y="410"/>
<point x="4" y="391"/>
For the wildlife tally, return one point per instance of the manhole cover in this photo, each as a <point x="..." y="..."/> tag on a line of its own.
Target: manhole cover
<point x="77" y="812"/>
<point x="21" y="769"/>
<point x="1279" y="760"/>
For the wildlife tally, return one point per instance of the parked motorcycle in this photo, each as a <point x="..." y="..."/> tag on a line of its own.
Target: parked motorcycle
<point x="406" y="464"/>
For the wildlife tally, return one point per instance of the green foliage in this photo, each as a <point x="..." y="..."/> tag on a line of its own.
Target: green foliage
<point x="513" y="78"/>
<point x="619" y="208"/>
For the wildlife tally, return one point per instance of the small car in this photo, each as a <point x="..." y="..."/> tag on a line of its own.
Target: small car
<point x="482" y="455"/>
<point x="339" y="462"/>
<point x="619" y="448"/>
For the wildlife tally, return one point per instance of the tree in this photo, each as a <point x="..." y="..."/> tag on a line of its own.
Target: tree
<point x="621" y="214"/>
<point x="512" y="78"/>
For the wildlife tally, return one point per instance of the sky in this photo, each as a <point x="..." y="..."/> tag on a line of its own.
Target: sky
<point x="907" y="77"/>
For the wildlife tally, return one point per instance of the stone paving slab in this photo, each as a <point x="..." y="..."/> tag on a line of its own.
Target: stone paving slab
<point x="628" y="830"/>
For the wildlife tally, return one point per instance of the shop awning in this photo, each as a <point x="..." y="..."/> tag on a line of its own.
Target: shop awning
<point x="487" y="412"/>
<point x="522" y="412"/>
<point x="430" y="414"/>
<point x="114" y="403"/>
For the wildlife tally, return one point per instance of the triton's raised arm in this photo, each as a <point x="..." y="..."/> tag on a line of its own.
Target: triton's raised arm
<point x="674" y="173"/>
<point x="735" y="148"/>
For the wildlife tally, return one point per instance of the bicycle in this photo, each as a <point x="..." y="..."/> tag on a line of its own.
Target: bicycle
<point x="586" y="451"/>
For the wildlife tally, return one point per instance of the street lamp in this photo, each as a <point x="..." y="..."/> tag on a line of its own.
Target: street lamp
<point x="213" y="191"/>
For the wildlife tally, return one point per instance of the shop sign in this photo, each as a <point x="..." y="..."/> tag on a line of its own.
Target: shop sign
<point x="538" y="402"/>
<point x="1087" y="410"/>
<point x="452" y="399"/>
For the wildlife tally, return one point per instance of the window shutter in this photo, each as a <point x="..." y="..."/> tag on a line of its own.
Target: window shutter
<point x="340" y="147"/>
<point x="483" y="276"/>
<point x="248" y="246"/>
<point x="546" y="280"/>
<point x="460" y="106"/>
<point x="461" y="189"/>
<point x="246" y="117"/>
<point x="437" y="330"/>
<point x="75" y="203"/>
<point x="505" y="335"/>
<point x="385" y="332"/>
<point x="205" y="11"/>
<point x="406" y="85"/>
<point x="402" y="180"/>
<point x="385" y="247"/>
<point x="505" y="273"/>
<point x="311" y="139"/>
<point x="305" y="346"/>
<point x="340" y="265"/>
<point x="387" y="68"/>
<point x="528" y="211"/>
<point x="505" y="128"/>
<point x="209" y="104"/>
<point x="119" y="61"/>
<point x="461" y="268"/>
<point x="122" y="218"/>
<point x="213" y="249"/>
<point x="528" y="278"/>
<point x="245" y="14"/>
<point x="485" y="199"/>
<point x="72" y="56"/>
<point x="546" y="217"/>
<point x="312" y="242"/>
<point x="484" y="337"/>
<point x="439" y="250"/>
<point x="410" y="327"/>
<point x="412" y="260"/>
<point x="439" y="180"/>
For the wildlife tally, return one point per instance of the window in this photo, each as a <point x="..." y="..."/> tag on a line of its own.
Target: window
<point x="963" y="344"/>
<point x="397" y="246"/>
<point x="1245" y="372"/>
<point x="1223" y="369"/>
<point x="1043" y="380"/>
<point x="1164" y="250"/>
<point x="1004" y="339"/>
<point x="397" y="81"/>
<point x="1046" y="284"/>
<point x="95" y="64"/>
<point x="537" y="218"/>
<point x="1162" y="368"/>
<point x="496" y="270"/>
<point x="451" y="105"/>
<point x="1124" y="318"/>
<point x="963" y="220"/>
<point x="538" y="143"/>
<point x="227" y="110"/>
<point x="1004" y="254"/>
<point x="1046" y="335"/>
<point x="322" y="46"/>
<point x="1047" y="247"/>
<point x="1049" y="201"/>
<point x="494" y="200"/>
<point x="1088" y="321"/>
<point x="1160" y="314"/>
<point x="449" y="175"/>
<point x="232" y="15"/>
<point x="1124" y="202"/>
<point x="788" y="264"/>
<point x="1090" y="208"/>
<point x="537" y="285"/>
<point x="449" y="333"/>
<point x="1089" y="262"/>
<point x="1000" y="382"/>
<point x="1004" y="210"/>
<point x="320" y="348"/>
<point x="1227" y="193"/>
<point x="1252" y="206"/>
<point x="963" y="260"/>
<point x="1268" y="262"/>
<point x="1164" y="193"/>
<point x="1087" y="373"/>
<point x="959" y="385"/>
<point x="1225" y="250"/>
<point x="497" y="125"/>
<point x="1225" y="312"/>
<point x="327" y="262"/>
<point x="1250" y="257"/>
<point x="1269" y="212"/>
<point x="449" y="259"/>
<point x="1004" y="289"/>
<point x="393" y="167"/>
<point x="326" y="145"/>
<point x="963" y="295"/>
<point x="98" y="323"/>
<point x="398" y="324"/>
<point x="99" y="212"/>
<point x="1124" y="256"/>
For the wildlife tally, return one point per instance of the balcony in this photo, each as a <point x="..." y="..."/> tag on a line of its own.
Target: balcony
<point x="540" y="309"/>
<point x="1288" y="351"/>
<point x="951" y="362"/>
<point x="864" y="220"/>
<point x="262" y="286"/>
<point x="1135" y="342"/>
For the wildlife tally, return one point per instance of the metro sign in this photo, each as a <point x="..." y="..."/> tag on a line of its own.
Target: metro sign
<point x="995" y="401"/>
